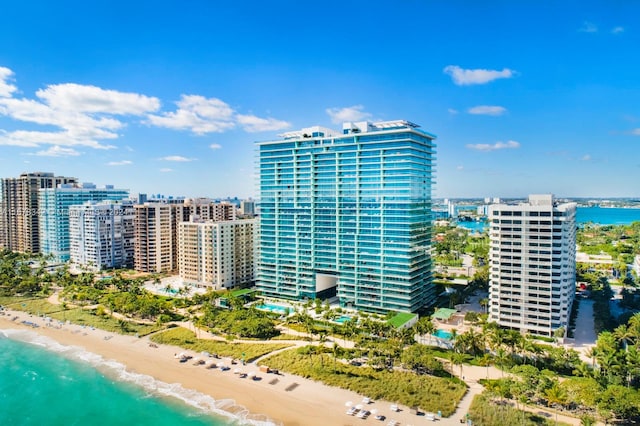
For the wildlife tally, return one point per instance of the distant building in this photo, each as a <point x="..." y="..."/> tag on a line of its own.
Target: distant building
<point x="101" y="234"/>
<point x="54" y="204"/>
<point x="206" y="209"/>
<point x="532" y="264"/>
<point x="217" y="254"/>
<point x="348" y="214"/>
<point x="20" y="210"/>
<point x="248" y="207"/>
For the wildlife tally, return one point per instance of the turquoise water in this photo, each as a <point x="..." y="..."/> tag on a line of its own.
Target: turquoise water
<point x="342" y="319"/>
<point x="607" y="216"/>
<point x="443" y="334"/>
<point x="273" y="308"/>
<point x="599" y="215"/>
<point x="44" y="383"/>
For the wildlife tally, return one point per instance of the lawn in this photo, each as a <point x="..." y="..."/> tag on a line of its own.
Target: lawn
<point x="400" y="319"/>
<point x="88" y="318"/>
<point x="484" y="412"/>
<point x="427" y="392"/>
<point x="186" y="339"/>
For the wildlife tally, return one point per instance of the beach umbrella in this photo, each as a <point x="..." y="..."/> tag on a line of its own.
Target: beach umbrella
<point x="374" y="411"/>
<point x="348" y="404"/>
<point x="359" y="406"/>
<point x="252" y="374"/>
<point x="220" y="364"/>
<point x="236" y="371"/>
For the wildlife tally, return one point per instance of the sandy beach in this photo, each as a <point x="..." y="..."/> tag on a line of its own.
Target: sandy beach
<point x="309" y="403"/>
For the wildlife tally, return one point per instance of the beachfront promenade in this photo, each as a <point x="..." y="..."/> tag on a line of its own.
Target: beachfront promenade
<point x="288" y="398"/>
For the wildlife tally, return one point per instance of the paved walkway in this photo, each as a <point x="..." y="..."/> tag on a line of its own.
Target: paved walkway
<point x="584" y="335"/>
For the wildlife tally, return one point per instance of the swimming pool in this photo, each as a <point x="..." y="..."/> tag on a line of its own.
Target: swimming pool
<point x="443" y="334"/>
<point x="282" y="310"/>
<point x="343" y="319"/>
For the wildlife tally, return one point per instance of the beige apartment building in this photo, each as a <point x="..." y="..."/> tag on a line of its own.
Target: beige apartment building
<point x="156" y="229"/>
<point x="154" y="242"/>
<point x="217" y="254"/>
<point x="20" y="212"/>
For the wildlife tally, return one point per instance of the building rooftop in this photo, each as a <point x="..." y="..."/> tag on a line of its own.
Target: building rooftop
<point x="349" y="127"/>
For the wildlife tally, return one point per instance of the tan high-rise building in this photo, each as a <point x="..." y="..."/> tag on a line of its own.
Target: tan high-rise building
<point x="205" y="209"/>
<point x="217" y="254"/>
<point x="20" y="212"/>
<point x="155" y="227"/>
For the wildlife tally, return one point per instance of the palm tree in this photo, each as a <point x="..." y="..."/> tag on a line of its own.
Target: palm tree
<point x="486" y="361"/>
<point x="502" y="358"/>
<point x="555" y="395"/>
<point x="457" y="359"/>
<point x="484" y="303"/>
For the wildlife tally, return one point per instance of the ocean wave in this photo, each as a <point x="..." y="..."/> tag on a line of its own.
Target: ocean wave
<point x="227" y="408"/>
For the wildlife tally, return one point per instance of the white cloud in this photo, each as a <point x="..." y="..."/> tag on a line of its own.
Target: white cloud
<point x="203" y="115"/>
<point x="460" y="168"/>
<point x="166" y="170"/>
<point x="119" y="163"/>
<point x="177" y="158"/>
<point x="252" y="124"/>
<point x="352" y="113"/>
<point x="487" y="110"/>
<point x="6" y="89"/>
<point x="33" y="139"/>
<point x="617" y="30"/>
<point x="92" y="99"/>
<point x="198" y="114"/>
<point x="58" y="151"/>
<point x="464" y="77"/>
<point x="215" y="146"/>
<point x="636" y="132"/>
<point x="586" y="157"/>
<point x="588" y="27"/>
<point x="493" y="147"/>
<point x="452" y="111"/>
<point x="83" y="115"/>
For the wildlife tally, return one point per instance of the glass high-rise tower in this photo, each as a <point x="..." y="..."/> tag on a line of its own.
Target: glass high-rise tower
<point x="348" y="214"/>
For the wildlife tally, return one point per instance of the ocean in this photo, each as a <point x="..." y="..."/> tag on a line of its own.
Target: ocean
<point x="598" y="215"/>
<point x="45" y="383"/>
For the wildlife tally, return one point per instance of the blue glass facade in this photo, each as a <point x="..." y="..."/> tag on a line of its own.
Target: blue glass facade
<point x="54" y="206"/>
<point x="350" y="211"/>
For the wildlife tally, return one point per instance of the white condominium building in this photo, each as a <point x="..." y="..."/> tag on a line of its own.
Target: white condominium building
<point x="533" y="264"/>
<point x="217" y="254"/>
<point x="101" y="234"/>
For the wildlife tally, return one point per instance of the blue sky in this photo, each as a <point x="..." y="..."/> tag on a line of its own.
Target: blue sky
<point x="169" y="97"/>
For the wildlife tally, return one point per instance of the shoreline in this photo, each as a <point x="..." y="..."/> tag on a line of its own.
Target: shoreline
<point x="308" y="403"/>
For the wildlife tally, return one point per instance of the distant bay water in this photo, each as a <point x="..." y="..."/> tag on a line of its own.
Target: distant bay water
<point x="597" y="215"/>
<point x="45" y="383"/>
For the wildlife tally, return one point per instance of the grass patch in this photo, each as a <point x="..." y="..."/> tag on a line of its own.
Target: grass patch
<point x="35" y="306"/>
<point x="186" y="339"/>
<point x="90" y="319"/>
<point x="242" y="292"/>
<point x="427" y="392"/>
<point x="12" y="300"/>
<point x="400" y="319"/>
<point x="484" y="412"/>
<point x="289" y="337"/>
